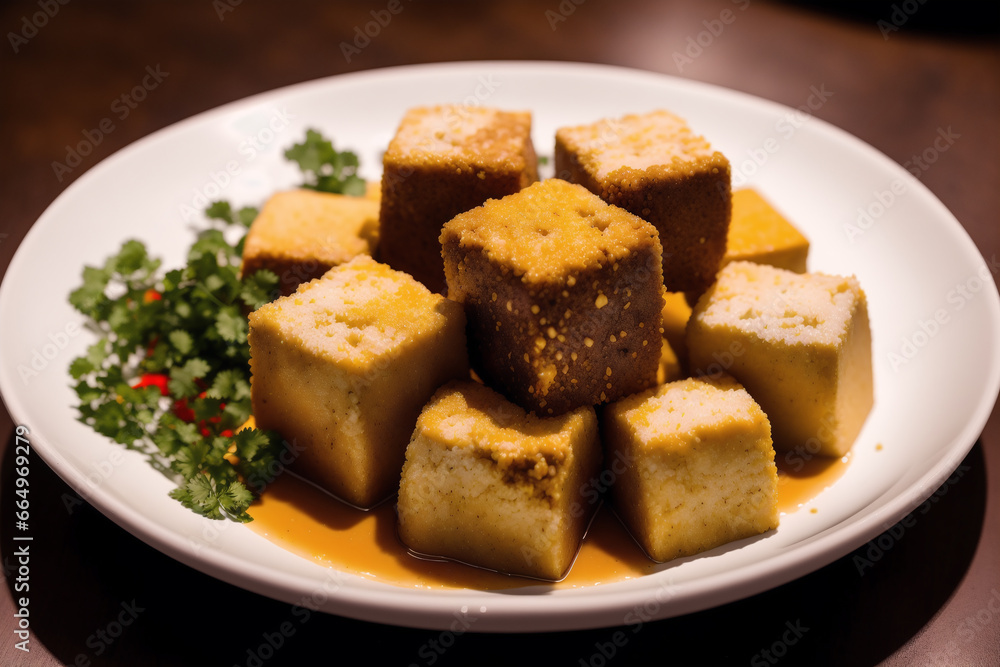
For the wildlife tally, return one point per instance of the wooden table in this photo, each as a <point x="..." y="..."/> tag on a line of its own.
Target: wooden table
<point x="100" y="596"/>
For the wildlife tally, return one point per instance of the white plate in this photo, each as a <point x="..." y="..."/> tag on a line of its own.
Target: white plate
<point x="913" y="259"/>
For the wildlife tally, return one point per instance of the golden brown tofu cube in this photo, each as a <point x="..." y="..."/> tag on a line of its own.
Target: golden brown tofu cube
<point x="302" y="234"/>
<point x="758" y="233"/>
<point x="799" y="343"/>
<point x="487" y="484"/>
<point x="563" y="295"/>
<point x="654" y="166"/>
<point x="342" y="368"/>
<point x="694" y="466"/>
<point x="445" y="160"/>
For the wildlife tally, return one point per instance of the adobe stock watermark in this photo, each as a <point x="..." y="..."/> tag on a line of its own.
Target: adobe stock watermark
<point x="273" y="641"/>
<point x="30" y="25"/>
<point x="609" y="132"/>
<point x="695" y="45"/>
<point x="434" y="649"/>
<point x="794" y="631"/>
<point x="212" y="530"/>
<point x="100" y="472"/>
<point x="591" y="491"/>
<point x="785" y="128"/>
<point x="562" y="12"/>
<point x="223" y="7"/>
<point x="121" y="107"/>
<point x="22" y="540"/>
<point x="876" y="549"/>
<point x="635" y="620"/>
<point x="883" y="200"/>
<point x="249" y="148"/>
<point x="926" y="329"/>
<point x="457" y="114"/>
<point x="364" y="34"/>
<point x="970" y="627"/>
<point x="47" y="351"/>
<point x="900" y="14"/>
<point x="800" y="455"/>
<point x="724" y="359"/>
<point x="102" y="638"/>
<point x="486" y="85"/>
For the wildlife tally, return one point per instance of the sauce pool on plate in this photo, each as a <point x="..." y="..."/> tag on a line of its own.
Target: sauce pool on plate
<point x="307" y="521"/>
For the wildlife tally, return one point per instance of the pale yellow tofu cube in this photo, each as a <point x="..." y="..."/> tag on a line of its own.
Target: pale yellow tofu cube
<point x="799" y="343"/>
<point x="695" y="466"/>
<point x="342" y="368"/>
<point x="487" y="484"/>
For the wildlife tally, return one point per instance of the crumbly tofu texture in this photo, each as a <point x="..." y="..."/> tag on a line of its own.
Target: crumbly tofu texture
<point x="799" y="343"/>
<point x="342" y="368"/>
<point x="563" y="294"/>
<point x="301" y="234"/>
<point x="759" y="233"/>
<point x="445" y="160"/>
<point x="489" y="485"/>
<point x="653" y="165"/>
<point x="696" y="466"/>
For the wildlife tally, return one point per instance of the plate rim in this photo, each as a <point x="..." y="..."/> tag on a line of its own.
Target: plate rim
<point x="368" y="604"/>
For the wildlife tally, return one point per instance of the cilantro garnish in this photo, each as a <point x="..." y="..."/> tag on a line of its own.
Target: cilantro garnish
<point x="170" y="374"/>
<point x="223" y="210"/>
<point x="324" y="168"/>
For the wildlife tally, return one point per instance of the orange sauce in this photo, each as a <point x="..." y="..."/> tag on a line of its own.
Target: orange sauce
<point x="306" y="521"/>
<point x="802" y="480"/>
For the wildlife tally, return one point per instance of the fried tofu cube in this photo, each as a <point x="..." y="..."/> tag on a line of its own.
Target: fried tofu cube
<point x="674" y="318"/>
<point x="653" y="165"/>
<point x="342" y="368"/>
<point x="487" y="484"/>
<point x="759" y="233"/>
<point x="670" y="366"/>
<point x="563" y="295"/>
<point x="442" y="161"/>
<point x="695" y="466"/>
<point x="799" y="343"/>
<point x="302" y="234"/>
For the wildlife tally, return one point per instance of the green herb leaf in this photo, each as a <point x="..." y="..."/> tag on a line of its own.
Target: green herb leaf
<point x="183" y="380"/>
<point x="324" y="168"/>
<point x="246" y="215"/>
<point x="231" y="325"/>
<point x="181" y="340"/>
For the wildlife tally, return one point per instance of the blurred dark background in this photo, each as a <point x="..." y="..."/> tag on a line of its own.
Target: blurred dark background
<point x="946" y="19"/>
